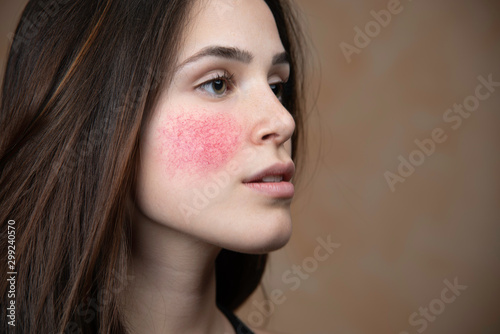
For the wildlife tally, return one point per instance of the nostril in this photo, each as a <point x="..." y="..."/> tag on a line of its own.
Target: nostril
<point x="266" y="137"/>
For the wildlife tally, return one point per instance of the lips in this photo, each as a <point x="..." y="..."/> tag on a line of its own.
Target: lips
<point x="273" y="181"/>
<point x="276" y="173"/>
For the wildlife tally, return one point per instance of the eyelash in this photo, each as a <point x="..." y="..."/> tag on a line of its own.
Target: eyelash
<point x="228" y="79"/>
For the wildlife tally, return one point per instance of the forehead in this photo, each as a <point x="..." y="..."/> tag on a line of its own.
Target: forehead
<point x="245" y="24"/>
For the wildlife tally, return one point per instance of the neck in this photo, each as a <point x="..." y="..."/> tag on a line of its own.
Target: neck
<point x="174" y="286"/>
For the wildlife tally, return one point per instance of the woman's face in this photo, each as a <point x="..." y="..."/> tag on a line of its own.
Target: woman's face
<point x="215" y="156"/>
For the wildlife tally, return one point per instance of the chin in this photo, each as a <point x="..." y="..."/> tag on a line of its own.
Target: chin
<point x="262" y="235"/>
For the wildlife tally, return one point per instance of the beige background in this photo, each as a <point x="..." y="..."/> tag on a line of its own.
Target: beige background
<point x="396" y="248"/>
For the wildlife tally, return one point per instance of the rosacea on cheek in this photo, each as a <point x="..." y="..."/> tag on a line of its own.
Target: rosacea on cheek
<point x="191" y="142"/>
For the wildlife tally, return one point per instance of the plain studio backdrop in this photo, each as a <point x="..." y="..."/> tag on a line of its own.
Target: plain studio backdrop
<point x="397" y="216"/>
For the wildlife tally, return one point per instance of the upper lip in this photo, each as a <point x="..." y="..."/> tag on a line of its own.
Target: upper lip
<point x="286" y="170"/>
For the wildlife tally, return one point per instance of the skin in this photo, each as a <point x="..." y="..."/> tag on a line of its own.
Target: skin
<point x="199" y="142"/>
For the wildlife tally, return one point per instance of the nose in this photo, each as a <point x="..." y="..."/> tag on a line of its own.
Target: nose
<point x="274" y="123"/>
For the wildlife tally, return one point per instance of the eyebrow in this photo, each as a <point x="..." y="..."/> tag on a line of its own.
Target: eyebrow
<point x="231" y="53"/>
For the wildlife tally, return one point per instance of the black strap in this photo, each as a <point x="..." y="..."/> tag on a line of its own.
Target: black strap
<point x="237" y="324"/>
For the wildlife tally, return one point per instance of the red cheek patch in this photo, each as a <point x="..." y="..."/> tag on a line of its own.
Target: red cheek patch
<point x="198" y="143"/>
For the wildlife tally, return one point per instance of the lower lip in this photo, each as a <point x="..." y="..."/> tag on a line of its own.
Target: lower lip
<point x="273" y="189"/>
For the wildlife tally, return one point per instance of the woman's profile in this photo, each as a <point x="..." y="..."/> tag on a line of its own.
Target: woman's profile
<point x="146" y="160"/>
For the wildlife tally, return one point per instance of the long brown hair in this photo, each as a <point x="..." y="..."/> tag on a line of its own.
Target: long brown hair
<point x="80" y="81"/>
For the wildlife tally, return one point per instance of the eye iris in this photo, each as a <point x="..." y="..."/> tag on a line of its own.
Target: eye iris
<point x="219" y="86"/>
<point x="277" y="89"/>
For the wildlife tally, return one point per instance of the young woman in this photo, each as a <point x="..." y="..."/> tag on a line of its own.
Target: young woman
<point x="146" y="162"/>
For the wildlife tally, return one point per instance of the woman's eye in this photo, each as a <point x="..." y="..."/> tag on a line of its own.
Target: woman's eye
<point x="277" y="89"/>
<point x="219" y="86"/>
